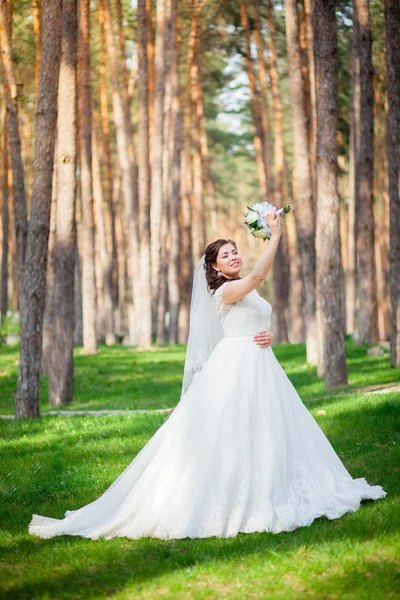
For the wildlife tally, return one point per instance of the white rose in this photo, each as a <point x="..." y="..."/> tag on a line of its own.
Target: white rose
<point x="260" y="233"/>
<point x="251" y="217"/>
<point x="257" y="207"/>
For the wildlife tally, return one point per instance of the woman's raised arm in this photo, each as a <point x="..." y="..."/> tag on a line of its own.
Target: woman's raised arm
<point x="241" y="287"/>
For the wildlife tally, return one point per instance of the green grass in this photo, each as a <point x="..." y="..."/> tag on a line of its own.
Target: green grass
<point x="123" y="378"/>
<point x="53" y="464"/>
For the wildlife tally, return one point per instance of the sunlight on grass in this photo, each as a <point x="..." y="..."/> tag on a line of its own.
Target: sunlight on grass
<point x="124" y="378"/>
<point x="51" y="465"/>
<point x="56" y="464"/>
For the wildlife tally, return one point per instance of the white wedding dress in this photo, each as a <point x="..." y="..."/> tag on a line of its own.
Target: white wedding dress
<point x="239" y="453"/>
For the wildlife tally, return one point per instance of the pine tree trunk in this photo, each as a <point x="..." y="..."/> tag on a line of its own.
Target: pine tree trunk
<point x="78" y="328"/>
<point x="198" y="192"/>
<point x="38" y="34"/>
<point x="85" y="132"/>
<point x="281" y="264"/>
<point x="128" y="170"/>
<point x="144" y="183"/>
<point x="105" y="130"/>
<point x="4" y="218"/>
<point x="350" y="279"/>
<point x="157" y="200"/>
<point x="14" y="140"/>
<point x="50" y="304"/>
<point x="262" y="77"/>
<point x="305" y="220"/>
<point x="205" y="159"/>
<point x="328" y="234"/>
<point x="174" y="200"/>
<point x="392" y="22"/>
<point x="150" y="66"/>
<point x="34" y="290"/>
<point x="308" y="71"/>
<point x="61" y="371"/>
<point x="105" y="323"/>
<point x="363" y="102"/>
<point x="163" y="314"/>
<point x="255" y="99"/>
<point x="189" y="227"/>
<point x="12" y="246"/>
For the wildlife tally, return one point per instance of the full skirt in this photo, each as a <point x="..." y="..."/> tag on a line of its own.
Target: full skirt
<point x="239" y="453"/>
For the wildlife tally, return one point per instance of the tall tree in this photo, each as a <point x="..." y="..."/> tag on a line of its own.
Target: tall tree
<point x="305" y="215"/>
<point x="105" y="314"/>
<point x="85" y="146"/>
<point x="262" y="77"/>
<point x="128" y="167"/>
<point x="4" y="216"/>
<point x="144" y="182"/>
<point x="28" y="387"/>
<point x="106" y="139"/>
<point x="255" y="100"/>
<point x="38" y="34"/>
<point x="392" y="20"/>
<point x="157" y="200"/>
<point x="363" y="137"/>
<point x="11" y="90"/>
<point x="281" y="265"/>
<point x="61" y="367"/>
<point x="328" y="233"/>
<point x="174" y="195"/>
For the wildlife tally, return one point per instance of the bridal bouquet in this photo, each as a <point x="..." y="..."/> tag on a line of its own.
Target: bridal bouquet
<point x="256" y="221"/>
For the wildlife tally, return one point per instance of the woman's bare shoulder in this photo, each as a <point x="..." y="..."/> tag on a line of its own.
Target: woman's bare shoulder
<point x="235" y="290"/>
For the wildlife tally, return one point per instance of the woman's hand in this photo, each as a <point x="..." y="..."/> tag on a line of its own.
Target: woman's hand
<point x="264" y="338"/>
<point x="274" y="223"/>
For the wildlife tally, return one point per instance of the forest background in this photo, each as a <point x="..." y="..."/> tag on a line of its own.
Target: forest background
<point x="133" y="134"/>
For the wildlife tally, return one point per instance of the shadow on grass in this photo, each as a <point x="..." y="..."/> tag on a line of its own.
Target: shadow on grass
<point x="361" y="433"/>
<point x="126" y="563"/>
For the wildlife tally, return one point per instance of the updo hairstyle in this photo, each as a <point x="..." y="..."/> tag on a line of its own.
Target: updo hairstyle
<point x="214" y="279"/>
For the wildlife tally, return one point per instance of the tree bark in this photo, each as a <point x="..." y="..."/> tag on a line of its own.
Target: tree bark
<point x="262" y="76"/>
<point x="128" y="170"/>
<point x="61" y="372"/>
<point x="157" y="200"/>
<point x="85" y="132"/>
<point x="281" y="264"/>
<point x="28" y="387"/>
<point x="392" y="22"/>
<point x="328" y="234"/>
<point x="144" y="183"/>
<point x="105" y="130"/>
<point x="38" y="34"/>
<point x="308" y="71"/>
<point x="188" y="225"/>
<point x="105" y="315"/>
<point x="198" y="191"/>
<point x="50" y="304"/>
<point x="4" y="218"/>
<point x="255" y="99"/>
<point x="150" y="65"/>
<point x="363" y="137"/>
<point x="305" y="220"/>
<point x="14" y="140"/>
<point x="174" y="200"/>
<point x="350" y="279"/>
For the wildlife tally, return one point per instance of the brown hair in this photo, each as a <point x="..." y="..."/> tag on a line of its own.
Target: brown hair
<point x="214" y="280"/>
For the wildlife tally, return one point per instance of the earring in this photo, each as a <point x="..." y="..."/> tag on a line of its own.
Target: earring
<point x="219" y="274"/>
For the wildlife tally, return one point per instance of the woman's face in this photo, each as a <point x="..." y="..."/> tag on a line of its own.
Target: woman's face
<point x="228" y="261"/>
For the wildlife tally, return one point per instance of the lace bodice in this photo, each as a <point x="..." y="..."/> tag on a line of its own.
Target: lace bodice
<point x="246" y="316"/>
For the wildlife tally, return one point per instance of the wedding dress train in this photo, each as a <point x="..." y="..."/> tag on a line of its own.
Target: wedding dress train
<point x="239" y="453"/>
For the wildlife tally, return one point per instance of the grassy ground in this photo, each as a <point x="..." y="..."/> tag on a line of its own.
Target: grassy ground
<point x="54" y="464"/>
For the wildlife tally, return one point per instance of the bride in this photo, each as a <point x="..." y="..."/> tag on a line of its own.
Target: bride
<point x="240" y="452"/>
